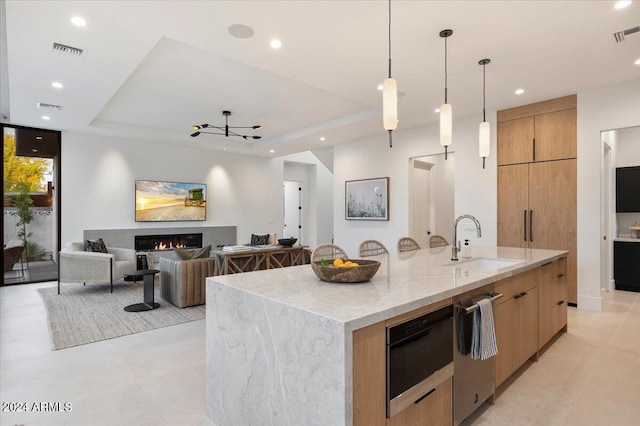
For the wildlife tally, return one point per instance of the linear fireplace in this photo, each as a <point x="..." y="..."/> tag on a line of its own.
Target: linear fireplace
<point x="167" y="242"/>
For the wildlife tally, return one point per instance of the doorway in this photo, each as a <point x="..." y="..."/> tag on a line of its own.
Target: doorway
<point x="31" y="219"/>
<point x="605" y="226"/>
<point x="431" y="197"/>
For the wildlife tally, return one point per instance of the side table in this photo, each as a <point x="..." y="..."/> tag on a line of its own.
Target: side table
<point x="148" y="276"/>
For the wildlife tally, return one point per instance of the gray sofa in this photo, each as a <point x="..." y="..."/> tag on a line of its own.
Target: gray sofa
<point x="182" y="282"/>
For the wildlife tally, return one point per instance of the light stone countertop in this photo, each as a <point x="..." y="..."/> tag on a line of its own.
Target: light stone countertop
<point x="279" y="342"/>
<point x="405" y="281"/>
<point x="627" y="239"/>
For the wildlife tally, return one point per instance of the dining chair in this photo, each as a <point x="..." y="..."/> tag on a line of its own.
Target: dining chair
<point x="407" y="244"/>
<point x="371" y="248"/>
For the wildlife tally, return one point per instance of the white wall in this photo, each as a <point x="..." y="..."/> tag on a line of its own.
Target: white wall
<point x="601" y="109"/>
<point x="628" y="147"/>
<point x="475" y="188"/>
<point x="98" y="175"/>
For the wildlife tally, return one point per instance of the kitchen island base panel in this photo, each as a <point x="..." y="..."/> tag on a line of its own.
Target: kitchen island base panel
<point x="271" y="364"/>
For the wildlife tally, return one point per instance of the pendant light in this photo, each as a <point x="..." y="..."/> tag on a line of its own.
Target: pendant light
<point x="484" y="141"/>
<point x="446" y="114"/>
<point x="390" y="96"/>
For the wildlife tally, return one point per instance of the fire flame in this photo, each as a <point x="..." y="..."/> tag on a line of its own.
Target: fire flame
<point x="163" y="246"/>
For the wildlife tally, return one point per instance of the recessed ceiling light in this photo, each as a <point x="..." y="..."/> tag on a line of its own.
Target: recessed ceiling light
<point x="637" y="62"/>
<point x="519" y="91"/>
<point x="78" y="21"/>
<point x="275" y="43"/>
<point x="46" y="117"/>
<point x="622" y="4"/>
<point x="323" y="138"/>
<point x="57" y="85"/>
<point x="380" y="87"/>
<point x="34" y="150"/>
<point x="224" y="149"/>
<point x="437" y="110"/>
<point x="39" y="138"/>
<point x="271" y="151"/>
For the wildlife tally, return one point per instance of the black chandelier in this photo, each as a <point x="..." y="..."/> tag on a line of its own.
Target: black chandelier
<point x="225" y="130"/>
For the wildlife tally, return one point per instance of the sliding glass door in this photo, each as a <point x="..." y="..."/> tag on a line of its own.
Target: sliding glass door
<point x="31" y="225"/>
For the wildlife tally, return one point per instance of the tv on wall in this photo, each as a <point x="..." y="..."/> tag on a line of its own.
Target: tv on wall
<point x="158" y="201"/>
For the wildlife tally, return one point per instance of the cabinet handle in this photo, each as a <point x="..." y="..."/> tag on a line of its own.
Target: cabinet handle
<point x="560" y="302"/>
<point x="525" y="225"/>
<point x="560" y="275"/>
<point x="534" y="150"/>
<point x="531" y="225"/>
<point x="424" y="396"/>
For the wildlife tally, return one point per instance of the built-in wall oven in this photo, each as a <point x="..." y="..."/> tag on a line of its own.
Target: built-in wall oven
<point x="419" y="358"/>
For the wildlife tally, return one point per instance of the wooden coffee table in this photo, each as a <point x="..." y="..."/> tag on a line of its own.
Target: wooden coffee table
<point x="148" y="276"/>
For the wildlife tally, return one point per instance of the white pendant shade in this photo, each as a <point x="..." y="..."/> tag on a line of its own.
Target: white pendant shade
<point x="485" y="137"/>
<point x="390" y="104"/>
<point x="446" y="124"/>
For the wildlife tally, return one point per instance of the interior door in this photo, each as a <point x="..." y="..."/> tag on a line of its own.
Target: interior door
<point x="420" y="202"/>
<point x="513" y="205"/>
<point x="292" y="208"/>
<point x="553" y="201"/>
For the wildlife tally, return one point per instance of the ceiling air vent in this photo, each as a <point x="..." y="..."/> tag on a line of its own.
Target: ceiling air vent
<point x="49" y="106"/>
<point x="620" y="35"/>
<point x="68" y="50"/>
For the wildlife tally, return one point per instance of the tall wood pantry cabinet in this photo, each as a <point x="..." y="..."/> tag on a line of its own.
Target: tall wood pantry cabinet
<point x="537" y="185"/>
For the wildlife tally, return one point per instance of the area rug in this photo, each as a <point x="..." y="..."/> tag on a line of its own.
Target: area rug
<point x="89" y="313"/>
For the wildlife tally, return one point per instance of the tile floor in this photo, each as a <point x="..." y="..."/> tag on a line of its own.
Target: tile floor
<point x="590" y="376"/>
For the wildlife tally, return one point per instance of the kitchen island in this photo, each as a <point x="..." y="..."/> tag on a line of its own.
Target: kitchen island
<point x="279" y="345"/>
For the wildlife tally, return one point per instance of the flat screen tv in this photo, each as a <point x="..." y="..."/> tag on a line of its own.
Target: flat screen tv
<point x="158" y="201"/>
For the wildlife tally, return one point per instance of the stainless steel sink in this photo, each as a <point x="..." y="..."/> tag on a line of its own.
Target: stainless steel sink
<point x="484" y="264"/>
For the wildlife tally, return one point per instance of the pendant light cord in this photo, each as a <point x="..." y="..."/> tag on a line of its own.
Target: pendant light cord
<point x="389" y="38"/>
<point x="445" y="70"/>
<point x="484" y="85"/>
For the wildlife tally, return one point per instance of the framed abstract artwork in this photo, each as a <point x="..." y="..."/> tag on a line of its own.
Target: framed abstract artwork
<point x="367" y="199"/>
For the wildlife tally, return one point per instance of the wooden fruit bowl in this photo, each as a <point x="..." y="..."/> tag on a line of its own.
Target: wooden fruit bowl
<point x="347" y="274"/>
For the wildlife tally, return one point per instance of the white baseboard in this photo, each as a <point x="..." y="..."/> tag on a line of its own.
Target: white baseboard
<point x="590" y="303"/>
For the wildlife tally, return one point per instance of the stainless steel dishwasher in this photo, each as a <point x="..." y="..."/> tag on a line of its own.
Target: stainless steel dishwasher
<point x="473" y="379"/>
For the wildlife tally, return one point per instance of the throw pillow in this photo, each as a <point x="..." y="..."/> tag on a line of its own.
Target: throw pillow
<point x="259" y="240"/>
<point x="204" y="252"/>
<point x="97" y="246"/>
<point x="184" y="254"/>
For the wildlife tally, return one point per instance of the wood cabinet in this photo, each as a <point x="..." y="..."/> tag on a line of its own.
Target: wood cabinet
<point x="537" y="180"/>
<point x="625" y="265"/>
<point x="369" y="380"/>
<point x="434" y="410"/>
<point x="516" y="322"/>
<point x="538" y="132"/>
<point x="552" y="310"/>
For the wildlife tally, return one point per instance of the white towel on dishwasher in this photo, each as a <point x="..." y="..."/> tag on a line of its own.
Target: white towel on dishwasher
<point x="483" y="341"/>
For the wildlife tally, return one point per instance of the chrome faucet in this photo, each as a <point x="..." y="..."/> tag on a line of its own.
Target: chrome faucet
<point x="456" y="244"/>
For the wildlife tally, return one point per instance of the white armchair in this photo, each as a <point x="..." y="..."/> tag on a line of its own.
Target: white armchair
<point x="79" y="266"/>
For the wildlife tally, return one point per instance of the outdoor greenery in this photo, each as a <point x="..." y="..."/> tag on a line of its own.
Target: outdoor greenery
<point x="34" y="252"/>
<point x="22" y="170"/>
<point x="24" y="212"/>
